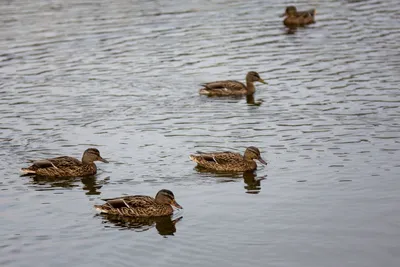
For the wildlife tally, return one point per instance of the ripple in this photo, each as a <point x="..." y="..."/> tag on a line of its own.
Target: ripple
<point x="124" y="76"/>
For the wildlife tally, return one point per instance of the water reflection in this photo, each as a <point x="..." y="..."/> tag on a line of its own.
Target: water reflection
<point x="253" y="183"/>
<point x="165" y="225"/>
<point x="217" y="173"/>
<point x="235" y="98"/>
<point x="42" y="182"/>
<point x="251" y="101"/>
<point x="91" y="185"/>
<point x="291" y="30"/>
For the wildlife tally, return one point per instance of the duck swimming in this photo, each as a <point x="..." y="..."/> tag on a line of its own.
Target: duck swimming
<point x="66" y="166"/>
<point x="141" y="206"/>
<point x="229" y="161"/>
<point x="232" y="88"/>
<point x="296" y="18"/>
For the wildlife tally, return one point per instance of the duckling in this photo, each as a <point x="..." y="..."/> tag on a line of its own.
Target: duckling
<point x="141" y="206"/>
<point x="66" y="166"/>
<point x="229" y="161"/>
<point x="229" y="88"/>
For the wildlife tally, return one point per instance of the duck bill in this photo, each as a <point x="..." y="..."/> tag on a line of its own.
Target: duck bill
<point x="282" y="15"/>
<point x="260" y="159"/>
<point x="262" y="81"/>
<point x="176" y="205"/>
<point x="103" y="160"/>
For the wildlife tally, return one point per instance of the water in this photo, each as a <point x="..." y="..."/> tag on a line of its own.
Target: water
<point x="123" y="76"/>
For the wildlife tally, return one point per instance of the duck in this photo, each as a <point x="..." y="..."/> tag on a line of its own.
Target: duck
<point x="140" y="206"/>
<point x="296" y="18"/>
<point x="66" y="166"/>
<point x="229" y="161"/>
<point x="232" y="88"/>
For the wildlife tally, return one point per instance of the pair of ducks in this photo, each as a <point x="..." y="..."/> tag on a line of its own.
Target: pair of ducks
<point x="293" y="19"/>
<point x="138" y="205"/>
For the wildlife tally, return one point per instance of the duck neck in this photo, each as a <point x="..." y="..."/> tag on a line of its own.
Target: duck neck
<point x="87" y="161"/>
<point x="250" y="162"/>
<point x="250" y="87"/>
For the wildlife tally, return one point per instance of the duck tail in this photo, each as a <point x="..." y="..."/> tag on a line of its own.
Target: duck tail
<point x="204" y="91"/>
<point x="26" y="171"/>
<point x="194" y="158"/>
<point x="102" y="208"/>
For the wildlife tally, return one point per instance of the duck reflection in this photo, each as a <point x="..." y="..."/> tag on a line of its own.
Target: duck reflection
<point x="251" y="101"/>
<point x="92" y="186"/>
<point x="165" y="225"/>
<point x="90" y="183"/>
<point x="253" y="183"/>
<point x="43" y="182"/>
<point x="222" y="174"/>
<point x="291" y="30"/>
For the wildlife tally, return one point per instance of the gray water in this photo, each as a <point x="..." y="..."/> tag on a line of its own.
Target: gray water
<point x="123" y="76"/>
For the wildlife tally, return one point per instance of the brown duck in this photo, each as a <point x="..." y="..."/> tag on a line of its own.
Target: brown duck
<point x="66" y="166"/>
<point x="296" y="18"/>
<point x="227" y="88"/>
<point x="229" y="161"/>
<point x="141" y="206"/>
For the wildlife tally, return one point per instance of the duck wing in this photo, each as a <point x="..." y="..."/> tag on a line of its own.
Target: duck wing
<point x="130" y="201"/>
<point x="225" y="85"/>
<point x="218" y="157"/>
<point x="59" y="162"/>
<point x="304" y="14"/>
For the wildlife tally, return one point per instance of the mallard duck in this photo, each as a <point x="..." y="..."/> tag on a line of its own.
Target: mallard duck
<point x="296" y="18"/>
<point x="66" y="166"/>
<point x="229" y="161"/>
<point x="226" y="88"/>
<point x="140" y="206"/>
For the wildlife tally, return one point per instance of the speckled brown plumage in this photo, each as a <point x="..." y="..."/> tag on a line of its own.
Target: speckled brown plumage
<point x="296" y="18"/>
<point x="66" y="166"/>
<point x="229" y="161"/>
<point x="141" y="206"/>
<point x="226" y="88"/>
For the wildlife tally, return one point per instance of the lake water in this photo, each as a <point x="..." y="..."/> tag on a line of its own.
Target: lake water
<point x="123" y="76"/>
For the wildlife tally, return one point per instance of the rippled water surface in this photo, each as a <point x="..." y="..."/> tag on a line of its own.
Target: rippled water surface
<point x="123" y="76"/>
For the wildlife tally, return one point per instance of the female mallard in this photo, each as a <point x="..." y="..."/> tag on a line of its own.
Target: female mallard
<point x="296" y="18"/>
<point x="141" y="206"/>
<point x="66" y="166"/>
<point x="229" y="161"/>
<point x="226" y="88"/>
